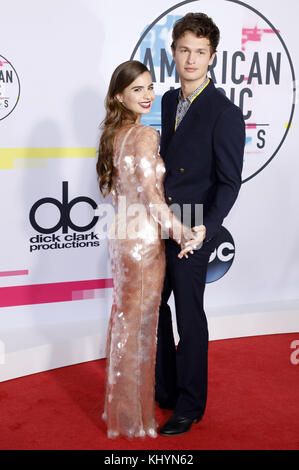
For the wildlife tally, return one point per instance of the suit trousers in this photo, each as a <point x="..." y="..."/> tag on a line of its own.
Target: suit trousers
<point x="182" y="371"/>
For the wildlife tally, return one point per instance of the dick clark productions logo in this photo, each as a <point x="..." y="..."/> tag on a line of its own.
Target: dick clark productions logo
<point x="253" y="67"/>
<point x="9" y="88"/>
<point x="47" y="239"/>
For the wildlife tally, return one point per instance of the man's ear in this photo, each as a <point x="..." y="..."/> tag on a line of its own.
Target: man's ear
<point x="212" y="58"/>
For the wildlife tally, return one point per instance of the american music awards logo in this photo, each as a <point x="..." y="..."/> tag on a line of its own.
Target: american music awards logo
<point x="253" y="67"/>
<point x="9" y="88"/>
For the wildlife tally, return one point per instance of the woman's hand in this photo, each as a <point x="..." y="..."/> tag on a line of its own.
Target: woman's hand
<point x="195" y="238"/>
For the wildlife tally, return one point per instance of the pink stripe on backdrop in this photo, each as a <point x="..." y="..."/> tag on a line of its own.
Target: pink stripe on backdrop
<point x="14" y="273"/>
<point x="251" y="126"/>
<point x="47" y="293"/>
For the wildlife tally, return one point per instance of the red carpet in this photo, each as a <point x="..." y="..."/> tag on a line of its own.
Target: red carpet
<point x="252" y="404"/>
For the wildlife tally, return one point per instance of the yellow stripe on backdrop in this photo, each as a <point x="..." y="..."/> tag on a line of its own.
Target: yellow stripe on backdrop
<point x="13" y="158"/>
<point x="287" y="125"/>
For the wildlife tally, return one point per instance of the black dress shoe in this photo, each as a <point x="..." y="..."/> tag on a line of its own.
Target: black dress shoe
<point x="177" y="425"/>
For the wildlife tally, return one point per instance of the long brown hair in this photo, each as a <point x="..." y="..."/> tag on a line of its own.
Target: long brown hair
<point x="116" y="116"/>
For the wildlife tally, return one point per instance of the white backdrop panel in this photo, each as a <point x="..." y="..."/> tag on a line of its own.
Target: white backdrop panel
<point x="64" y="53"/>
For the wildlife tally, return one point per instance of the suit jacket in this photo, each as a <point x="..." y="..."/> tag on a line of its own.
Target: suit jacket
<point x="204" y="156"/>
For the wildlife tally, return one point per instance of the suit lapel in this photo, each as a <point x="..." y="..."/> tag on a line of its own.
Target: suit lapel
<point x="196" y="108"/>
<point x="168" y="125"/>
<point x="178" y="135"/>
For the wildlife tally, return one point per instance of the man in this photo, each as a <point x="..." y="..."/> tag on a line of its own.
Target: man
<point x="202" y="144"/>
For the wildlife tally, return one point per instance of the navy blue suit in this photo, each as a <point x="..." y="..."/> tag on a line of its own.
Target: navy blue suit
<point x="203" y="159"/>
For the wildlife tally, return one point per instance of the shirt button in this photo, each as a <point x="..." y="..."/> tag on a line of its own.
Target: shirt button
<point x="182" y="170"/>
<point x="169" y="198"/>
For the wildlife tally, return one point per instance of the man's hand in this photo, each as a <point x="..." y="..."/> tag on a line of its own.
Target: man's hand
<point x="192" y="244"/>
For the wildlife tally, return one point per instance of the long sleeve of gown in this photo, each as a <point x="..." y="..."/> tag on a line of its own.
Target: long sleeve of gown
<point x="147" y="144"/>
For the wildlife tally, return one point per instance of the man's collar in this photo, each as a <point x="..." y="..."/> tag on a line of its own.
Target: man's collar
<point x="194" y="93"/>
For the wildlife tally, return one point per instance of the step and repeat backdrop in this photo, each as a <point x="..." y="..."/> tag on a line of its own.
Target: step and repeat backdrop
<point x="56" y="59"/>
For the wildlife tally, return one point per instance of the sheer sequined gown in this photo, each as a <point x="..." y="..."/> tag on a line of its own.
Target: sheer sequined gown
<point x="138" y="268"/>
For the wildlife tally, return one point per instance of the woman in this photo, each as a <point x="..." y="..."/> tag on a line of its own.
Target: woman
<point x="129" y="167"/>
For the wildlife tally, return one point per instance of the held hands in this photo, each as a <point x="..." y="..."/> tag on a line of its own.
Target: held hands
<point x="195" y="238"/>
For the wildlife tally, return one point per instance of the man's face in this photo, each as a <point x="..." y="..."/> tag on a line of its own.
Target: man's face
<point x="192" y="57"/>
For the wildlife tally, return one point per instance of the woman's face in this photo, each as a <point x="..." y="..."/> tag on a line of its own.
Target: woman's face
<point x="139" y="95"/>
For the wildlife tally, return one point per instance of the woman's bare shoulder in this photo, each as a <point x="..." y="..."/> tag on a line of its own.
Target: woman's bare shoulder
<point x="147" y="132"/>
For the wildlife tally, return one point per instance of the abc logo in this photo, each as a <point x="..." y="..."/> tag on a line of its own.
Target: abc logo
<point x="222" y="257"/>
